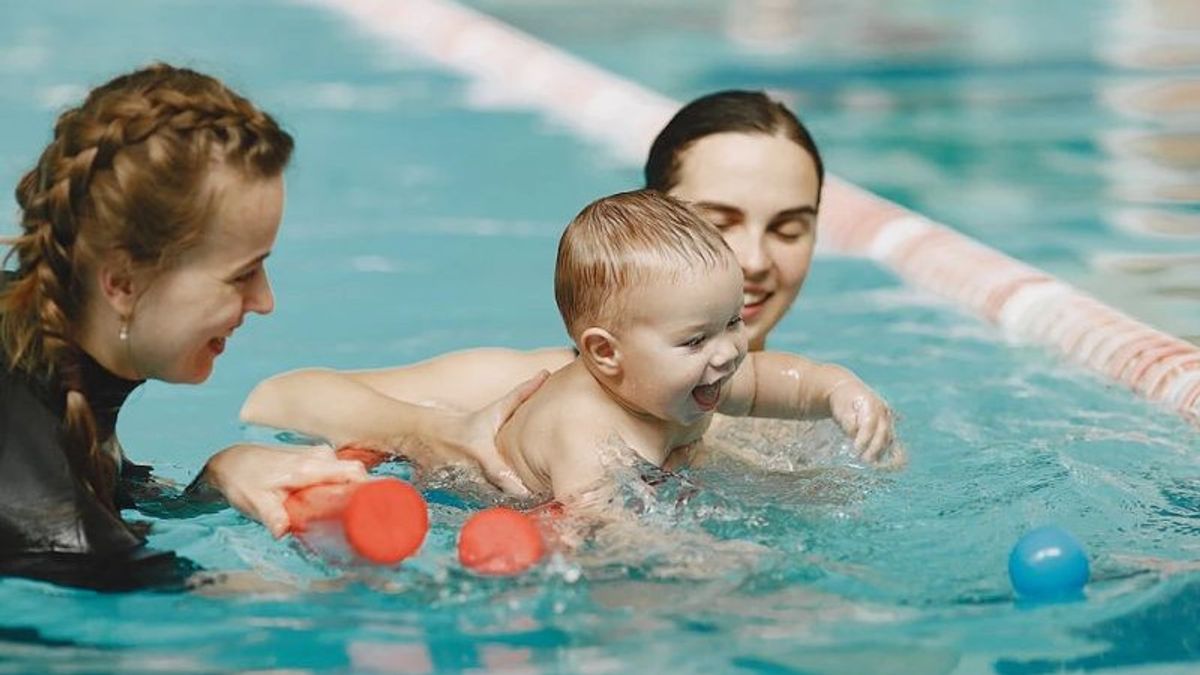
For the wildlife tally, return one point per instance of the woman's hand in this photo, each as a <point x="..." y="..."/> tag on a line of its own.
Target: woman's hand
<point x="865" y="417"/>
<point x="470" y="438"/>
<point x="256" y="479"/>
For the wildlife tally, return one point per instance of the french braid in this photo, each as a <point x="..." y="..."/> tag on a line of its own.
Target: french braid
<point x="124" y="172"/>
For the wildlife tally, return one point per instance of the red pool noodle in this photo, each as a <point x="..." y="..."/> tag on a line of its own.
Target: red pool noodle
<point x="381" y="521"/>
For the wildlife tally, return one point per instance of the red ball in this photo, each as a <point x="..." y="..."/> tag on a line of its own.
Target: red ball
<point x="385" y="521"/>
<point x="500" y="542"/>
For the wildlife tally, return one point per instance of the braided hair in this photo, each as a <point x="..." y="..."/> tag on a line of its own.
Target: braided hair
<point x="124" y="172"/>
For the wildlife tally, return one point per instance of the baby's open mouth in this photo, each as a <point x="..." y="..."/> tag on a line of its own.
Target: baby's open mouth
<point x="707" y="396"/>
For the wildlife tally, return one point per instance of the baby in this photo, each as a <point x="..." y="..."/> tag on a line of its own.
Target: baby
<point x="652" y="297"/>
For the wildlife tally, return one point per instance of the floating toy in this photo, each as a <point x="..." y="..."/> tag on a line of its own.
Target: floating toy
<point x="368" y="457"/>
<point x="500" y="542"/>
<point x="380" y="521"/>
<point x="1048" y="563"/>
<point x="386" y="520"/>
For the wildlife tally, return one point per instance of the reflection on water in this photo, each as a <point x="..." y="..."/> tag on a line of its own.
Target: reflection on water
<point x="1153" y="159"/>
<point x="1163" y="632"/>
<point x="1057" y="146"/>
<point x="1167" y="149"/>
<point x="1159" y="98"/>
<point x="1158" y="222"/>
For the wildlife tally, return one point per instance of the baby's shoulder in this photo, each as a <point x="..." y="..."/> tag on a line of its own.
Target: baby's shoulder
<point x="560" y="419"/>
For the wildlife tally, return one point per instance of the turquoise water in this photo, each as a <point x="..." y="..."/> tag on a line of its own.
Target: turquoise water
<point x="417" y="224"/>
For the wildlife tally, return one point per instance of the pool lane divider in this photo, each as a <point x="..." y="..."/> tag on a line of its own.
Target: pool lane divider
<point x="507" y="67"/>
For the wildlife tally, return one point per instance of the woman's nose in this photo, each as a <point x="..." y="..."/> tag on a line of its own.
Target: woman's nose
<point x="749" y="247"/>
<point x="261" y="300"/>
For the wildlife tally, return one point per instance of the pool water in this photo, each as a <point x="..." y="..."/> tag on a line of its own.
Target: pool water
<point x="1066" y="134"/>
<point x="418" y="223"/>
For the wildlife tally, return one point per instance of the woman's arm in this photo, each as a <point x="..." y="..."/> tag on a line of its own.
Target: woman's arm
<point x="254" y="479"/>
<point x="353" y="405"/>
<point x="383" y="408"/>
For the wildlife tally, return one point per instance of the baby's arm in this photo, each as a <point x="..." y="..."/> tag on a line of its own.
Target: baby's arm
<point x="786" y="386"/>
<point x="578" y="477"/>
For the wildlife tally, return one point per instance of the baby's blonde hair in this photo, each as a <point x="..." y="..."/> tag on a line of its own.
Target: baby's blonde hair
<point x="625" y="239"/>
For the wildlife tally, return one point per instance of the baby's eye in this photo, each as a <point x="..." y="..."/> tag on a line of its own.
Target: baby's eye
<point x="734" y="322"/>
<point x="695" y="341"/>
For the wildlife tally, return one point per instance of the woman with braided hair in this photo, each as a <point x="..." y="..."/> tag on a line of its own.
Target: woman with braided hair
<point x="144" y="230"/>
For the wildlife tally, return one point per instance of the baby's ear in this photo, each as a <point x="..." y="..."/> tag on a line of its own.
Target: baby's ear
<point x="603" y="350"/>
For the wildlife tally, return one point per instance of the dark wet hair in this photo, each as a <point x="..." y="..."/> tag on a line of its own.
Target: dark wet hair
<point x="724" y="111"/>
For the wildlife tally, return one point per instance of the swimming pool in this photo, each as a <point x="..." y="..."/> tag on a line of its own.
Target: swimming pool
<point x="418" y="223"/>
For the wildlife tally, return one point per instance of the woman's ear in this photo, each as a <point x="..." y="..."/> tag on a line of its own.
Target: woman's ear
<point x="118" y="283"/>
<point x="602" y="349"/>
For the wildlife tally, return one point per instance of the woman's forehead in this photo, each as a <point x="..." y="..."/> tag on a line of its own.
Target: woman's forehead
<point x="244" y="222"/>
<point x="744" y="149"/>
<point x="724" y="167"/>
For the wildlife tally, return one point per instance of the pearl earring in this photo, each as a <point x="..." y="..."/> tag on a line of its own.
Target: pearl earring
<point x="124" y="334"/>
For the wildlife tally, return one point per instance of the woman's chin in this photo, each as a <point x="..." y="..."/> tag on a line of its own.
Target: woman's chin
<point x="201" y="375"/>
<point x="757" y="337"/>
<point x="198" y="373"/>
<point x="760" y="326"/>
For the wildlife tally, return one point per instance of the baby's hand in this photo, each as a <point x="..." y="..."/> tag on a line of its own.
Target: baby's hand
<point x="865" y="418"/>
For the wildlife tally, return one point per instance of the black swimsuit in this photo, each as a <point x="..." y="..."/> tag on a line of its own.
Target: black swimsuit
<point x="52" y="527"/>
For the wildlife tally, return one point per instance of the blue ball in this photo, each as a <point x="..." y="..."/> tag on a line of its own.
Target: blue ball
<point x="1047" y="564"/>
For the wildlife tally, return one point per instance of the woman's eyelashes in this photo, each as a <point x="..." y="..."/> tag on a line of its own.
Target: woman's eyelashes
<point x="722" y="217"/>
<point x="788" y="227"/>
<point x="791" y="229"/>
<point x="248" y="275"/>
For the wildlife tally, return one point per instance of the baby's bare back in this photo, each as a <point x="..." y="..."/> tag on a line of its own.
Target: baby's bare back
<point x="551" y="441"/>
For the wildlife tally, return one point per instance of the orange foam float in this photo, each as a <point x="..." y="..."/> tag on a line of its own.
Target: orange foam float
<point x="381" y="521"/>
<point x="500" y="541"/>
